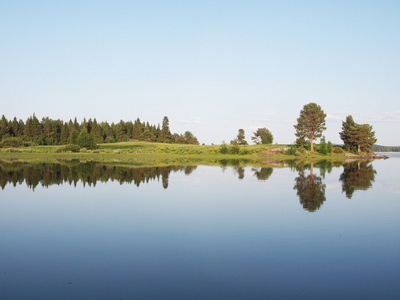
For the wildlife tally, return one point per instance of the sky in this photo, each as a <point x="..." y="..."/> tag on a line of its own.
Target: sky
<point x="211" y="67"/>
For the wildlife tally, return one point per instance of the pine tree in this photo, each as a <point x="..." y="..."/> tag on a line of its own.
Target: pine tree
<point x="240" y="139"/>
<point x="355" y="136"/>
<point x="363" y="136"/>
<point x="311" y="123"/>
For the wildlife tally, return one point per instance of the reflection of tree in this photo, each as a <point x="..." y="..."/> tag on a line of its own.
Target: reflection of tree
<point x="324" y="166"/>
<point x="310" y="190"/>
<point x="240" y="171"/>
<point x="262" y="173"/>
<point x="357" y="176"/>
<point x="89" y="173"/>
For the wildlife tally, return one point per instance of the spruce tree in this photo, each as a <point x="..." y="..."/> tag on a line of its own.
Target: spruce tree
<point x="64" y="134"/>
<point x="345" y="133"/>
<point x="165" y="135"/>
<point x="4" y="128"/>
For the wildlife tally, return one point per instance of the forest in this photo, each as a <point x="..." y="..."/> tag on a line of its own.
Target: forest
<point x="57" y="132"/>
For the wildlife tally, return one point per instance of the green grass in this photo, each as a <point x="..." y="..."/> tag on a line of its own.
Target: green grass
<point x="142" y="153"/>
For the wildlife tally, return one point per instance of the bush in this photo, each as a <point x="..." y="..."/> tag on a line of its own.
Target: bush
<point x="234" y="149"/>
<point x="12" y="142"/>
<point x="292" y="150"/>
<point x="329" y="147"/>
<point x="11" y="150"/>
<point x="223" y="148"/>
<point x="301" y="150"/>
<point x="337" y="150"/>
<point x="71" y="148"/>
<point x="244" y="151"/>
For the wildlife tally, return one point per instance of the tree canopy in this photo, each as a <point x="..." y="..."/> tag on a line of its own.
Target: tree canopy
<point x="262" y="136"/>
<point x="311" y="123"/>
<point x="240" y="139"/>
<point x="355" y="136"/>
<point x="57" y="132"/>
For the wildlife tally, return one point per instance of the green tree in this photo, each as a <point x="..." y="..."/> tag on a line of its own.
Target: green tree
<point x="240" y="139"/>
<point x="96" y="131"/>
<point x="363" y="136"/>
<point x="360" y="137"/>
<point x="33" y="130"/>
<point x="4" y="128"/>
<point x="311" y="123"/>
<point x="190" y="138"/>
<point x="323" y="148"/>
<point x="138" y="130"/>
<point x="262" y="136"/>
<point x="14" y="128"/>
<point x="73" y="136"/>
<point x="347" y="126"/>
<point x="86" y="140"/>
<point x="64" y="134"/>
<point x="121" y="131"/>
<point x="165" y="134"/>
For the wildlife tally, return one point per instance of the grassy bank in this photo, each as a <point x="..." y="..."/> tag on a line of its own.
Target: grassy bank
<point x="142" y="153"/>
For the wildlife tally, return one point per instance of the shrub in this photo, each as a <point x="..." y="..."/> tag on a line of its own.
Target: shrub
<point x="11" y="150"/>
<point x="337" y="150"/>
<point x="329" y="147"/>
<point x="244" y="151"/>
<point x="234" y="149"/>
<point x="223" y="148"/>
<point x="12" y="142"/>
<point x="71" y="148"/>
<point x="292" y="150"/>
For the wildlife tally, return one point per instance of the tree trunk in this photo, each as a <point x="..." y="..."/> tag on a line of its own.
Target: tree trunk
<point x="312" y="143"/>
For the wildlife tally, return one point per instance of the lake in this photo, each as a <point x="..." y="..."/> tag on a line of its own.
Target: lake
<point x="302" y="231"/>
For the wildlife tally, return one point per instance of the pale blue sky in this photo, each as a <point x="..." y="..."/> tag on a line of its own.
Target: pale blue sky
<point x="212" y="67"/>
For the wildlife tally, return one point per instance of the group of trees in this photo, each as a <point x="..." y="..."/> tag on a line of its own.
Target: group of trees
<point x="311" y="124"/>
<point x="58" y="132"/>
<point x="261" y="136"/>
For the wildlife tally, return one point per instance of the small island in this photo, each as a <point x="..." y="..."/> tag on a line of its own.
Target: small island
<point x="132" y="141"/>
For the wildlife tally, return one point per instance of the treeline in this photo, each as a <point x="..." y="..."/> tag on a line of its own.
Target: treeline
<point x="379" y="148"/>
<point x="57" y="132"/>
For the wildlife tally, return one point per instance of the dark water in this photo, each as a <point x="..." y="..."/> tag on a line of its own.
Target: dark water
<point x="89" y="231"/>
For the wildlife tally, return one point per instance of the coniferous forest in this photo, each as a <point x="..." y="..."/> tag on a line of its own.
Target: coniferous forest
<point x="58" y="132"/>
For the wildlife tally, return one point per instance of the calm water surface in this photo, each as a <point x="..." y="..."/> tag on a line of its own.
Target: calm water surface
<point x="201" y="232"/>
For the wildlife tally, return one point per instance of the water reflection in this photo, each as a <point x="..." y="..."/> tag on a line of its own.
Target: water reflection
<point x="310" y="189"/>
<point x="89" y="173"/>
<point x="357" y="176"/>
<point x="262" y="173"/>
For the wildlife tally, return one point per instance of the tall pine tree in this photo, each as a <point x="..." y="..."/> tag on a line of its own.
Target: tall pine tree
<point x="311" y="123"/>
